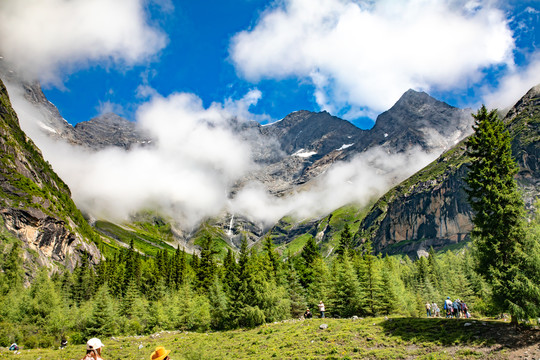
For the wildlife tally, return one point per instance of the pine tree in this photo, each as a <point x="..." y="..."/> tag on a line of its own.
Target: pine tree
<point x="295" y="291"/>
<point x="502" y="248"/>
<point x="346" y="297"/>
<point x="309" y="254"/>
<point x="345" y="241"/>
<point x="272" y="258"/>
<point x="206" y="271"/>
<point x="369" y="281"/>
<point x="13" y="270"/>
<point x="103" y="319"/>
<point x="388" y="299"/>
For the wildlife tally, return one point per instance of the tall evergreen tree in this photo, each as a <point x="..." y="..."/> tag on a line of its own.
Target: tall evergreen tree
<point x="13" y="270"/>
<point x="345" y="241"/>
<point x="502" y="247"/>
<point x="346" y="297"/>
<point x="102" y="322"/>
<point x="207" y="266"/>
<point x="272" y="258"/>
<point x="369" y="281"/>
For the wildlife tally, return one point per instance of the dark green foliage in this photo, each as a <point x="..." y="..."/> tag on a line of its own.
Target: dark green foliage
<point x="346" y="298"/>
<point x="13" y="271"/>
<point x="206" y="271"/>
<point x="369" y="282"/>
<point x="345" y="241"/>
<point x="505" y="255"/>
<point x="102" y="321"/>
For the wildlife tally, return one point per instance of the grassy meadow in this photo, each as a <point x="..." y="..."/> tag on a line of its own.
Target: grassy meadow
<point x="370" y="338"/>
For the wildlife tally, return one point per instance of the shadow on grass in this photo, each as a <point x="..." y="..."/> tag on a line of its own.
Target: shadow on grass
<point x="449" y="332"/>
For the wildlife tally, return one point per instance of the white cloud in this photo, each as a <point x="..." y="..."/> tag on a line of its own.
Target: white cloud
<point x="47" y="38"/>
<point x="105" y="107"/>
<point x="514" y="85"/>
<point x="364" y="55"/>
<point x="360" y="181"/>
<point x="186" y="173"/>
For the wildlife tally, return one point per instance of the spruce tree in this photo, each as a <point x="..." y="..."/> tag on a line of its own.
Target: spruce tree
<point x="102" y="322"/>
<point x="504" y="254"/>
<point x="207" y="266"/>
<point x="345" y="241"/>
<point x="13" y="269"/>
<point x="369" y="281"/>
<point x="346" y="297"/>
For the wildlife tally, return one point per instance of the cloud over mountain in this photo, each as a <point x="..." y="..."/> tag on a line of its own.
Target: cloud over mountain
<point x="365" y="54"/>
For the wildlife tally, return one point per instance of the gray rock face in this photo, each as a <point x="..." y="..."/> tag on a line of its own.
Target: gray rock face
<point x="110" y="130"/>
<point x="431" y="208"/>
<point x="419" y="119"/>
<point x="49" y="238"/>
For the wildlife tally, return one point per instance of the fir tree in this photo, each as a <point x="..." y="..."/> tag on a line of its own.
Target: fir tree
<point x="207" y="267"/>
<point x="295" y="291"/>
<point x="13" y="270"/>
<point x="102" y="322"/>
<point x="369" y="281"/>
<point x="272" y="258"/>
<point x="388" y="298"/>
<point x="345" y="241"/>
<point x="346" y="297"/>
<point x="502" y="248"/>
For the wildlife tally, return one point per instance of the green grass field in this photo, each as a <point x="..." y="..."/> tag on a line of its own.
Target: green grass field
<point x="370" y="338"/>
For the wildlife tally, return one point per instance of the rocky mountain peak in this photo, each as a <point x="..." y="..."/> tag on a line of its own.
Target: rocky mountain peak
<point x="419" y="119"/>
<point x="110" y="130"/>
<point x="531" y="99"/>
<point x="318" y="132"/>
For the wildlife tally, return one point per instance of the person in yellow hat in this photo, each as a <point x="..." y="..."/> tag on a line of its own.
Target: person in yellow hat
<point x="160" y="354"/>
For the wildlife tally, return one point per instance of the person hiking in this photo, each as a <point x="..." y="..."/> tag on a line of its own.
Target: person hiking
<point x="456" y="306"/>
<point x="160" y="354"/>
<point x="93" y="349"/>
<point x="435" y="312"/>
<point x="308" y="314"/>
<point x="321" y="309"/>
<point x="14" y="347"/>
<point x="464" y="309"/>
<point x="448" y="307"/>
<point x="428" y="309"/>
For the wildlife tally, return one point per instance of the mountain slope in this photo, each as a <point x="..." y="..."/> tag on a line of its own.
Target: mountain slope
<point x="35" y="203"/>
<point x="431" y="208"/>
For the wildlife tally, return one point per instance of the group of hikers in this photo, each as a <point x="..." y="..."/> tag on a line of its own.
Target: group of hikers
<point x="322" y="309"/>
<point x="452" y="309"/>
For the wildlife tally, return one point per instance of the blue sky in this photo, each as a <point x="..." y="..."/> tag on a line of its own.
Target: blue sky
<point x="176" y="66"/>
<point x="352" y="58"/>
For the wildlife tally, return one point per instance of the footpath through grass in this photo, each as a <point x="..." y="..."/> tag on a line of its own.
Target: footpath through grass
<point x="371" y="338"/>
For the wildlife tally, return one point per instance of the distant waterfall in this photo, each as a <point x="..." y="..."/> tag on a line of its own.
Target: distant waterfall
<point x="230" y="233"/>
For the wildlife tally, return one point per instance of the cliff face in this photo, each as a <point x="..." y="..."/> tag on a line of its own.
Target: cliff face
<point x="35" y="204"/>
<point x="431" y="208"/>
<point x="430" y="213"/>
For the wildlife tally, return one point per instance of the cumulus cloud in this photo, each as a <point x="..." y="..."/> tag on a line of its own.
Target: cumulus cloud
<point x="47" y="38"/>
<point x="364" y="54"/>
<point x="186" y="173"/>
<point x="514" y="85"/>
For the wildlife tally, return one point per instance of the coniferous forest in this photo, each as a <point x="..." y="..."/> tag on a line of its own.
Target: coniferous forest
<point x="130" y="294"/>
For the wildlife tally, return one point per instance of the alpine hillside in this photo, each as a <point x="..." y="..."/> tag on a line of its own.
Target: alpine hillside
<point x="36" y="205"/>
